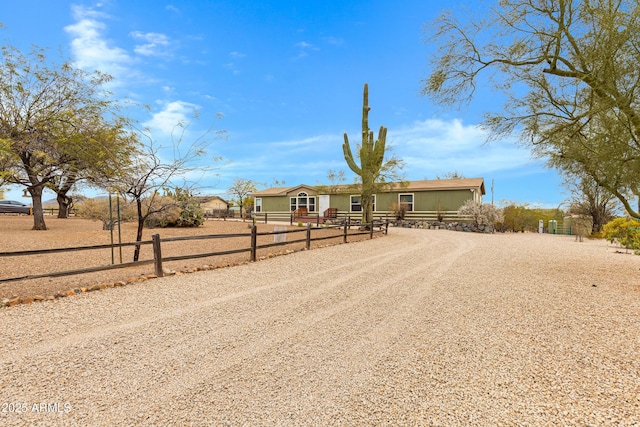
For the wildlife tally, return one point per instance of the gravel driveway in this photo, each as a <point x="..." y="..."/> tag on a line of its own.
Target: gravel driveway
<point x="422" y="327"/>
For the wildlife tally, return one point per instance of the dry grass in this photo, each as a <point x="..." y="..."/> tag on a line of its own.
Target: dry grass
<point x="73" y="232"/>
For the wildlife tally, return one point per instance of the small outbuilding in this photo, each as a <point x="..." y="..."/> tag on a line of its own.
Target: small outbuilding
<point x="214" y="206"/>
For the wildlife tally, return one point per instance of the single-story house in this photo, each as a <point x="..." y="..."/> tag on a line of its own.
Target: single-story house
<point x="428" y="199"/>
<point x="213" y="205"/>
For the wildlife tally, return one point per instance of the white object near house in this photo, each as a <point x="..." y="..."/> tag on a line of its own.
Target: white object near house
<point x="540" y="226"/>
<point x="280" y="237"/>
<point x="323" y="203"/>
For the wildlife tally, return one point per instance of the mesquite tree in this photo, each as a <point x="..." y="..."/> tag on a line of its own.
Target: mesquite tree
<point x="569" y="70"/>
<point x="57" y="124"/>
<point x="373" y="171"/>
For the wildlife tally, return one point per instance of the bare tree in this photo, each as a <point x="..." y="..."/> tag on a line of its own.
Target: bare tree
<point x="336" y="180"/>
<point x="588" y="198"/>
<point x="239" y="190"/>
<point x="451" y="175"/>
<point x="156" y="168"/>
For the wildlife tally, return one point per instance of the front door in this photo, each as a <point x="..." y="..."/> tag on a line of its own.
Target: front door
<point x="323" y="204"/>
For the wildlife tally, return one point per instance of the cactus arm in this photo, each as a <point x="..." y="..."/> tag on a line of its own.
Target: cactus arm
<point x="348" y="156"/>
<point x="378" y="151"/>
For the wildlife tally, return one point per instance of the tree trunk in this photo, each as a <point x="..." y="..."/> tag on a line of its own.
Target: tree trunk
<point x="38" y="213"/>
<point x="367" y="197"/>
<point x="64" y="202"/>
<point x="136" y="252"/>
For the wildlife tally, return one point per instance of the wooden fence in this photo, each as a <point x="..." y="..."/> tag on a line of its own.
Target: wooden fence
<point x="314" y="218"/>
<point x="158" y="259"/>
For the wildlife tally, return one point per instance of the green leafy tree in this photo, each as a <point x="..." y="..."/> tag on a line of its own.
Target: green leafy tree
<point x="517" y="218"/>
<point x="568" y="69"/>
<point x="111" y="147"/>
<point x="521" y="217"/>
<point x="53" y="123"/>
<point x="373" y="172"/>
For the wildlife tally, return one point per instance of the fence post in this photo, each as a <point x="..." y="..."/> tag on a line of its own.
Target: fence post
<point x="344" y="238"/>
<point x="157" y="255"/>
<point x="265" y="217"/>
<point x="371" y="231"/>
<point x="254" y="241"/>
<point x="113" y="260"/>
<point x="308" y="235"/>
<point x="386" y="228"/>
<point x="291" y="219"/>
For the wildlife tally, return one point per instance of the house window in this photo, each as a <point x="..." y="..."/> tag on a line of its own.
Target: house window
<point x="258" y="204"/>
<point x="356" y="203"/>
<point x="303" y="200"/>
<point x="406" y="200"/>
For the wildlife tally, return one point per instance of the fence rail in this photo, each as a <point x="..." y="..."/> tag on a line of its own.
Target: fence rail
<point x="158" y="259"/>
<point x="317" y="218"/>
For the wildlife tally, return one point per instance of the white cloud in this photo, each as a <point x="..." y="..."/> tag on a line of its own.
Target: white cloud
<point x="91" y="50"/>
<point x="307" y="143"/>
<point x="156" y="43"/>
<point x="172" y="114"/>
<point x="434" y="147"/>
<point x="237" y="55"/>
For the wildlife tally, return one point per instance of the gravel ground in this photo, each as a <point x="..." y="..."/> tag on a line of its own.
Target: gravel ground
<point x="422" y="327"/>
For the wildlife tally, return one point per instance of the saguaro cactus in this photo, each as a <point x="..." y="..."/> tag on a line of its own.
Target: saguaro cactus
<point x="371" y="157"/>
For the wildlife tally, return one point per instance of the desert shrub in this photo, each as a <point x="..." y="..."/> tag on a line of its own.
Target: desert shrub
<point x="518" y="219"/>
<point x="624" y="231"/>
<point x="98" y="209"/>
<point x="521" y="218"/>
<point x="177" y="208"/>
<point x="481" y="213"/>
<point x="399" y="210"/>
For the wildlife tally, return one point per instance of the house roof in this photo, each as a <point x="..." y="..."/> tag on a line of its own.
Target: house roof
<point x="444" y="184"/>
<point x="206" y="199"/>
<point x="435" y="184"/>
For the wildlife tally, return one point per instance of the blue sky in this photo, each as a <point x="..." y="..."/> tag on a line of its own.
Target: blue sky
<point x="287" y="76"/>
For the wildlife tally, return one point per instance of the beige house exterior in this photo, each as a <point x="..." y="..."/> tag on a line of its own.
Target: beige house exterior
<point x="213" y="204"/>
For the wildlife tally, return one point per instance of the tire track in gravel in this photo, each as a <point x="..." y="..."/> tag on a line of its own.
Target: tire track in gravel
<point x="369" y="344"/>
<point x="260" y="341"/>
<point x="135" y="319"/>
